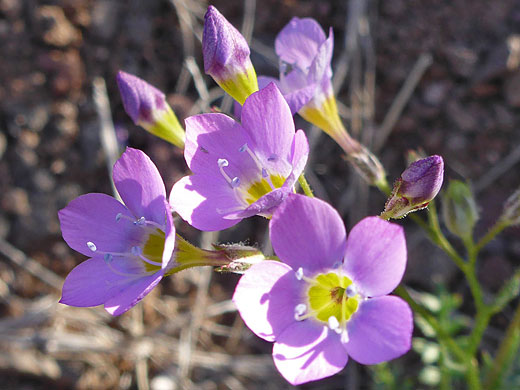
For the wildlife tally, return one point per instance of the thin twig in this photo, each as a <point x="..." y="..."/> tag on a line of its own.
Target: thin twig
<point x="498" y="170"/>
<point x="108" y="133"/>
<point x="30" y="265"/>
<point x="402" y="98"/>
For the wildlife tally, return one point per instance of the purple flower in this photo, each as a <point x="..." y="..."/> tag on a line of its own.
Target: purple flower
<point x="416" y="187"/>
<point x="226" y="56"/>
<point x="130" y="244"/>
<point x="295" y="100"/>
<point x="147" y="107"/>
<point x="239" y="169"/>
<point x="327" y="298"/>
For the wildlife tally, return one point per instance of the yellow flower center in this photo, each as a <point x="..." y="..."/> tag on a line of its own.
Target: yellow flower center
<point x="260" y="188"/>
<point x="153" y="250"/>
<point x="330" y="296"/>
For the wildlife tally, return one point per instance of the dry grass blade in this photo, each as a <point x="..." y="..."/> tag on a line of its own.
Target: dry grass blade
<point x="32" y="266"/>
<point x="400" y="101"/>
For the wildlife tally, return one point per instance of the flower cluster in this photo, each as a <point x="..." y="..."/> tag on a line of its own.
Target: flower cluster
<point x="327" y="298"/>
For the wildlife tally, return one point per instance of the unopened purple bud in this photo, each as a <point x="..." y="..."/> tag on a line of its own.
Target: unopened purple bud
<point x="147" y="107"/>
<point x="226" y="56"/>
<point x="416" y="187"/>
<point x="140" y="99"/>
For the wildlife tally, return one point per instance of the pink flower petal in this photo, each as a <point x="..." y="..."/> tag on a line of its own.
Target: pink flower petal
<point x="204" y="201"/>
<point x="266" y="297"/>
<point x="132" y="294"/>
<point x="380" y="330"/>
<point x="298" y="42"/>
<point x="92" y="218"/>
<point x="307" y="351"/>
<point x="375" y="259"/>
<point x="308" y="233"/>
<point x="140" y="185"/>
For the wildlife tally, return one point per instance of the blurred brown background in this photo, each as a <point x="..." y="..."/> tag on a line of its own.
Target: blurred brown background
<point x="443" y="75"/>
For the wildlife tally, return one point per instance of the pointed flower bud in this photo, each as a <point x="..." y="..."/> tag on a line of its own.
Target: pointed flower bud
<point x="147" y="107"/>
<point x="226" y="56"/>
<point x="459" y="209"/>
<point x="416" y="187"/>
<point x="511" y="213"/>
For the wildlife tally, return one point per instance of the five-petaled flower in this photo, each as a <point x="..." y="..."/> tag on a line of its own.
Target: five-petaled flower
<point x="240" y="169"/>
<point x="327" y="298"/>
<point x="130" y="244"/>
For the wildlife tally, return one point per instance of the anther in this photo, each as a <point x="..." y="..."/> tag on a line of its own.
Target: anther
<point x="108" y="258"/>
<point x="235" y="182"/>
<point x="344" y="336"/>
<point x="334" y="324"/>
<point x="264" y="173"/>
<point x="118" y="217"/>
<point x="351" y="291"/>
<point x="92" y="246"/>
<point x="141" y="221"/>
<point x="299" y="311"/>
<point x="299" y="273"/>
<point x="222" y="162"/>
<point x="336" y="265"/>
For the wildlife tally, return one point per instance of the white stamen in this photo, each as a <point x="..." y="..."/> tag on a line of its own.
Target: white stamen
<point x="92" y="246"/>
<point x="265" y="173"/>
<point x="137" y="251"/>
<point x="351" y="291"/>
<point x="299" y="311"/>
<point x="299" y="273"/>
<point x="334" y="324"/>
<point x="235" y="182"/>
<point x="222" y="162"/>
<point x="344" y="336"/>
<point x="141" y="221"/>
<point x="118" y="217"/>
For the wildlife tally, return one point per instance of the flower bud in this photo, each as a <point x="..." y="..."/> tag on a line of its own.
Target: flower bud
<point x="511" y="213"/>
<point x="226" y="56"/>
<point x="241" y="257"/>
<point x="416" y="187"/>
<point x="459" y="209"/>
<point x="147" y="107"/>
<point x="367" y="165"/>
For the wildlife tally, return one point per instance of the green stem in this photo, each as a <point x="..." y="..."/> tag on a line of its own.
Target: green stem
<point x="506" y="353"/>
<point x="432" y="321"/>
<point x="305" y="186"/>
<point x="472" y="371"/>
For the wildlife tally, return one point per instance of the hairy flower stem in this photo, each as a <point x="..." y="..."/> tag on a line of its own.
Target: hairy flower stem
<point x="506" y="353"/>
<point x="305" y="186"/>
